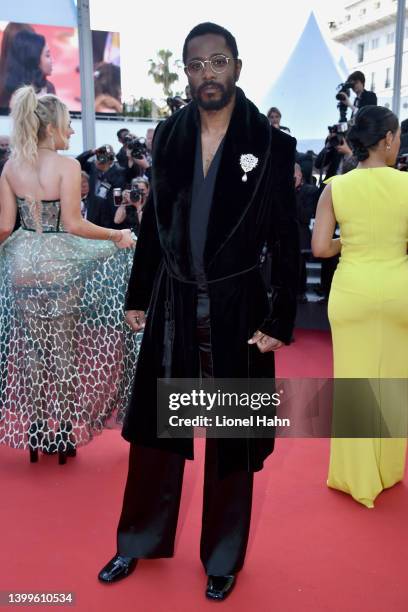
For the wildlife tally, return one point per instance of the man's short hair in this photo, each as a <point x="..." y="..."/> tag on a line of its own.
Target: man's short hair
<point x="120" y="132"/>
<point x="273" y="109"/>
<point x="357" y="76"/>
<point x="211" y="28"/>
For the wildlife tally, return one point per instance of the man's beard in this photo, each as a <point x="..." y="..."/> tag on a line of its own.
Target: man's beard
<point x="213" y="105"/>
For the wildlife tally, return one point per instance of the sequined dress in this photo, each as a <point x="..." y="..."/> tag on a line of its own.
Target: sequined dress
<point x="67" y="358"/>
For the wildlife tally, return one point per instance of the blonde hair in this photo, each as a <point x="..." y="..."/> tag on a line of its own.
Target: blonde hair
<point x="31" y="115"/>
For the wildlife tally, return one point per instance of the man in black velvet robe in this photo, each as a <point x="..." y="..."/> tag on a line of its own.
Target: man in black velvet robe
<point x="196" y="271"/>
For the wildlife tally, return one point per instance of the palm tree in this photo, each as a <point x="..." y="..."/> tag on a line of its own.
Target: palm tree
<point x="161" y="73"/>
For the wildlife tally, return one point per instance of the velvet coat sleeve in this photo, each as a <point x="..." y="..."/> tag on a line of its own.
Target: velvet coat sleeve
<point x="283" y="243"/>
<point x="146" y="261"/>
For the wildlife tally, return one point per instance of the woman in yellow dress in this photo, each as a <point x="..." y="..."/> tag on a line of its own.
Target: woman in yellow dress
<point x="368" y="304"/>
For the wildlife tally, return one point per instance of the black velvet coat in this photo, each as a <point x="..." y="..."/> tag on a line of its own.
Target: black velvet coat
<point x="244" y="215"/>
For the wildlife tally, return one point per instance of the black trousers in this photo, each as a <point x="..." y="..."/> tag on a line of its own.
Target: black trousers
<point x="148" y="522"/>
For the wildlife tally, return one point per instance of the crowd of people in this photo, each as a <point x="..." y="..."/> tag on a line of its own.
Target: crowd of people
<point x="312" y="171"/>
<point x="116" y="186"/>
<point x="68" y="228"/>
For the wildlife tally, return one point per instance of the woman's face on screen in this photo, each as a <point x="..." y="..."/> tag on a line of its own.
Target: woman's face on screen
<point x="46" y="61"/>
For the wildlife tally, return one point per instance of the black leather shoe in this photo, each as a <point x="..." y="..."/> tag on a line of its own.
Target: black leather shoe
<point x="118" y="568"/>
<point x="219" y="587"/>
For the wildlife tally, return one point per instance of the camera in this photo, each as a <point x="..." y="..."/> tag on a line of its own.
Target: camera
<point x="136" y="194"/>
<point x="136" y="146"/>
<point x="343" y="90"/>
<point x="337" y="130"/>
<point x="104" y="155"/>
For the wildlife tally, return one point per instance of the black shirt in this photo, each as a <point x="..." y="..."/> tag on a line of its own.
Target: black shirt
<point x="201" y="201"/>
<point x="365" y="99"/>
<point x="131" y="221"/>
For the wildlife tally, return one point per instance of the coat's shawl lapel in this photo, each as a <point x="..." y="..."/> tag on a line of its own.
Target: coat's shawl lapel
<point x="248" y="132"/>
<point x="174" y="152"/>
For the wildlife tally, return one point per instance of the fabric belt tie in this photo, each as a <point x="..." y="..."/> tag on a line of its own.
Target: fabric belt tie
<point x="215" y="280"/>
<point x="169" y="324"/>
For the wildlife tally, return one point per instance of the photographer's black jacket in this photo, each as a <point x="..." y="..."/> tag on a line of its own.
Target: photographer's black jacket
<point x="122" y="158"/>
<point x="243" y="216"/>
<point x="328" y="160"/>
<point x="102" y="210"/>
<point x="307" y="197"/>
<point x="131" y="221"/>
<point x="367" y="98"/>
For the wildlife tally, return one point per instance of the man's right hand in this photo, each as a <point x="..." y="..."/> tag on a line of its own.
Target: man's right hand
<point x="136" y="319"/>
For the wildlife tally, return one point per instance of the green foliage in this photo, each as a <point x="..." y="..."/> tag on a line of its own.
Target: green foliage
<point x="143" y="107"/>
<point x="161" y="71"/>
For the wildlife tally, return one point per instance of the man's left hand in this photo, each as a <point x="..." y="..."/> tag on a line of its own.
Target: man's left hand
<point x="265" y="343"/>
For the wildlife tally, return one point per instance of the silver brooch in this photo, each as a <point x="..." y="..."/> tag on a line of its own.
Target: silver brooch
<point x="248" y="162"/>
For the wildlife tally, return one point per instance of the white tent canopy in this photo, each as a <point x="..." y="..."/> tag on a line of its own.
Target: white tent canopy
<point x="306" y="88"/>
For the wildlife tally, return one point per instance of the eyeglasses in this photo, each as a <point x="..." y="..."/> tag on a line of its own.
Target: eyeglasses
<point x="218" y="64"/>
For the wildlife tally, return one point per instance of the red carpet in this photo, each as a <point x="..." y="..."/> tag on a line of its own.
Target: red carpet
<point x="311" y="549"/>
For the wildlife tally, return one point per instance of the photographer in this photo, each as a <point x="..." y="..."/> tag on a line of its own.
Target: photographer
<point x="336" y="157"/>
<point x="138" y="156"/>
<point x="274" y="117"/>
<point x="356" y="81"/>
<point x="121" y="154"/>
<point x="306" y="203"/>
<point x="129" y="214"/>
<point x="104" y="175"/>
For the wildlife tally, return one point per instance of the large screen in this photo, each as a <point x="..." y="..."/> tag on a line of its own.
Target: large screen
<point x="47" y="57"/>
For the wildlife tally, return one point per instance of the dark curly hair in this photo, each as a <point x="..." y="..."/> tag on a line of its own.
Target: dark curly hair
<point x="371" y="125"/>
<point x="211" y="28"/>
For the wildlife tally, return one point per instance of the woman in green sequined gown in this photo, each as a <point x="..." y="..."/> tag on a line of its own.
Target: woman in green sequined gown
<point x="66" y="357"/>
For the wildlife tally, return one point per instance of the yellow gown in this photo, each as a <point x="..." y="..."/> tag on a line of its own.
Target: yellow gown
<point x="368" y="312"/>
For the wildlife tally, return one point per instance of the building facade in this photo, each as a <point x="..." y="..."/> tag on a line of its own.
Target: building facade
<point x="367" y="28"/>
